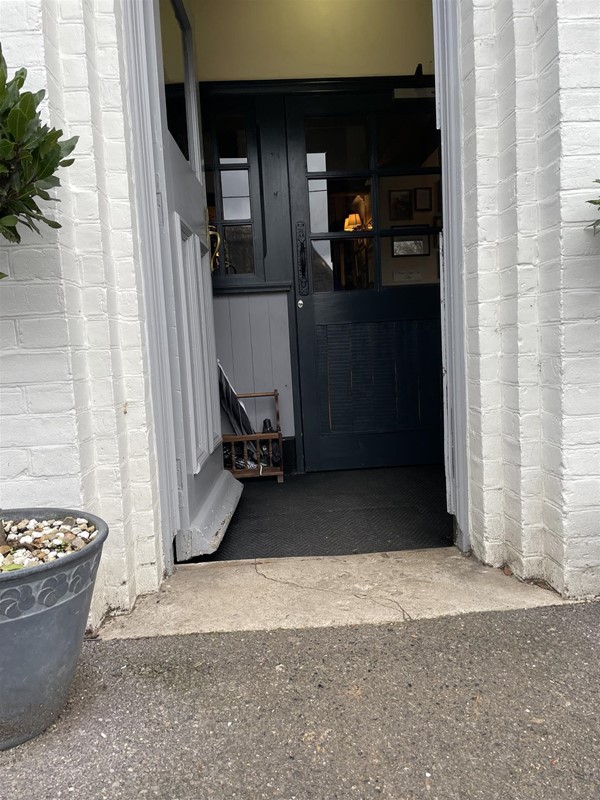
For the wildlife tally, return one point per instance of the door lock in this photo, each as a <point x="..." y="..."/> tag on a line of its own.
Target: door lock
<point x="300" y="303"/>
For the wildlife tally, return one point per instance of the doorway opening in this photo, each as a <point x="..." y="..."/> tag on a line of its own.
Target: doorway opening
<point x="326" y="198"/>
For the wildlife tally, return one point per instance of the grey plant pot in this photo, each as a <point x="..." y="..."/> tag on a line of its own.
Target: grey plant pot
<point x="43" y="615"/>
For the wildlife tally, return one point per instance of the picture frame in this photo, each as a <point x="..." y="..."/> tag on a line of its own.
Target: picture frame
<point x="400" y="204"/>
<point x="423" y="201"/>
<point x="410" y="245"/>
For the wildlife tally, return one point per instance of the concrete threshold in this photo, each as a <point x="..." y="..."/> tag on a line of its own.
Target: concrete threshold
<point x="373" y="588"/>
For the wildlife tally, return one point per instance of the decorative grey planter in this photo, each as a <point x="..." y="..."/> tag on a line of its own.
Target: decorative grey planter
<point x="43" y="615"/>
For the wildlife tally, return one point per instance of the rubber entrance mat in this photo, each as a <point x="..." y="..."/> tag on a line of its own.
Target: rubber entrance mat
<point x="339" y="513"/>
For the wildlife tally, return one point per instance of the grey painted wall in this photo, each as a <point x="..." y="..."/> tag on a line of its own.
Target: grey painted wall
<point x="253" y="346"/>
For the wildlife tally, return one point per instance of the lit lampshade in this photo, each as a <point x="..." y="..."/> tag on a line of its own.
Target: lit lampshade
<point x="352" y="222"/>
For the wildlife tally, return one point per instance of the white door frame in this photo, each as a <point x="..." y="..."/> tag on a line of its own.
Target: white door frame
<point x="144" y="97"/>
<point x="144" y="92"/>
<point x="446" y="37"/>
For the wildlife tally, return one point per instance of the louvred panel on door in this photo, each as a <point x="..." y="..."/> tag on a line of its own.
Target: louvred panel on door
<point x="369" y="376"/>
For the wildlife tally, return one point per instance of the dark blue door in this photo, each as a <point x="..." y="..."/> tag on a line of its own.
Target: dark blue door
<point x="364" y="185"/>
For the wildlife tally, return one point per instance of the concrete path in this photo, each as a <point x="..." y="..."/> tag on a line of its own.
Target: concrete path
<point x="488" y="706"/>
<point x="321" y="592"/>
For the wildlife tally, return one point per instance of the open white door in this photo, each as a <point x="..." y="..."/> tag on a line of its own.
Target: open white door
<point x="208" y="494"/>
<point x="198" y="497"/>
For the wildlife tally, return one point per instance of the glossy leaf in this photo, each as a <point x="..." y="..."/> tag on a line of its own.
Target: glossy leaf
<point x="17" y="124"/>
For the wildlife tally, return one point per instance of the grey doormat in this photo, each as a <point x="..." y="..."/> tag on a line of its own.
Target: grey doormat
<point x="339" y="513"/>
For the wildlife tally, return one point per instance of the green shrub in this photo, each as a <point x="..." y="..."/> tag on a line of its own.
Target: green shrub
<point x="30" y="154"/>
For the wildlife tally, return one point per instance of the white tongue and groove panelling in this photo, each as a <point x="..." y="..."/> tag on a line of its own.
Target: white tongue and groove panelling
<point x="253" y="346"/>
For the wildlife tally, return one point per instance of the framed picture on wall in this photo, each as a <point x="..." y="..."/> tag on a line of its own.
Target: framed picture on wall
<point x="410" y="245"/>
<point x="423" y="199"/>
<point x="401" y="204"/>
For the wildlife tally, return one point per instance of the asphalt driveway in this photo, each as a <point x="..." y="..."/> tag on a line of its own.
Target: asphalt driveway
<point x="493" y="705"/>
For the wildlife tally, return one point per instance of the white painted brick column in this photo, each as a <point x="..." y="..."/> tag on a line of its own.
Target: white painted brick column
<point x="579" y="312"/>
<point x="482" y="279"/>
<point x="531" y="114"/>
<point x="95" y="348"/>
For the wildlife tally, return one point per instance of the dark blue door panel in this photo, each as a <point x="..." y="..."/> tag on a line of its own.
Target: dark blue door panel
<point x="369" y="358"/>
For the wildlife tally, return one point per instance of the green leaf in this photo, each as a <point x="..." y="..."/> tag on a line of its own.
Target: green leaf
<point x="31" y="224"/>
<point x="10" y="567"/>
<point x="29" y="205"/>
<point x="10" y="220"/>
<point x="66" y="162"/>
<point x="11" y="96"/>
<point x="48" y="183"/>
<point x="7" y="149"/>
<point x="27" y="105"/>
<point x="52" y="223"/>
<point x="17" y="124"/>
<point x="10" y="233"/>
<point x="50" y="142"/>
<point x="3" y="275"/>
<point x="3" y="71"/>
<point x="19" y="78"/>
<point x="46" y="169"/>
<point x="68" y="145"/>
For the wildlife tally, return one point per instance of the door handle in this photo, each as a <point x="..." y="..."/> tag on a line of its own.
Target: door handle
<point x="301" y="256"/>
<point x="213" y="233"/>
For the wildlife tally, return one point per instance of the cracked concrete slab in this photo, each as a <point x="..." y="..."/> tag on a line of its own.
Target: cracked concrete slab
<point x="288" y="593"/>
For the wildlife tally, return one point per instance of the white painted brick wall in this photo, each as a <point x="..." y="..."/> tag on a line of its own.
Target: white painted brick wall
<point x="32" y="301"/>
<point x="531" y="104"/>
<point x="579" y="45"/>
<point x="75" y="394"/>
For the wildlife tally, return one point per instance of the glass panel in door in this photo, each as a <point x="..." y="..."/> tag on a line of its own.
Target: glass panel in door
<point x="340" y="204"/>
<point x="174" y="75"/>
<point x="342" y="264"/>
<point x="337" y="143"/>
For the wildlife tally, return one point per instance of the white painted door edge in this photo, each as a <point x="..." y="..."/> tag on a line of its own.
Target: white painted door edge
<point x="446" y="29"/>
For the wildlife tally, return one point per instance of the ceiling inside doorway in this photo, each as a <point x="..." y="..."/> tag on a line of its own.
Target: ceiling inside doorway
<point x="286" y="39"/>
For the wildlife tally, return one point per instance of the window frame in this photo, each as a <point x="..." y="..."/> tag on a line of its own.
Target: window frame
<point x="245" y="107"/>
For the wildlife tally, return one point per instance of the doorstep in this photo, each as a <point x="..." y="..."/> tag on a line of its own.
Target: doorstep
<point x="373" y="588"/>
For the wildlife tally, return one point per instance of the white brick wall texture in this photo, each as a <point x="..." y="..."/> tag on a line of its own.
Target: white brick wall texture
<point x="531" y="103"/>
<point x="77" y="423"/>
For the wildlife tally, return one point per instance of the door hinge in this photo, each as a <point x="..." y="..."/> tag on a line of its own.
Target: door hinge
<point x="179" y="475"/>
<point x="159" y="200"/>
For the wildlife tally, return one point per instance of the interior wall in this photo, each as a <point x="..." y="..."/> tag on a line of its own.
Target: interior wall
<point x="283" y="39"/>
<point x="408" y="269"/>
<point x="253" y="346"/>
